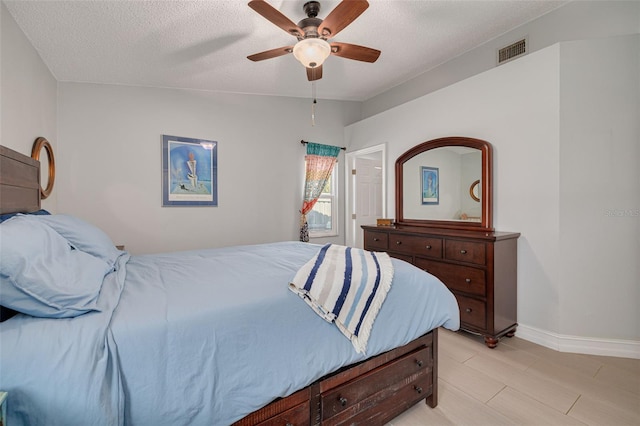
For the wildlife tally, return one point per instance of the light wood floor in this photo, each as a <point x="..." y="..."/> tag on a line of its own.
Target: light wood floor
<point x="521" y="383"/>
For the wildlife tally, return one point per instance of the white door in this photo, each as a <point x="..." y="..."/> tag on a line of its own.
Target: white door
<point x="368" y="195"/>
<point x="365" y="194"/>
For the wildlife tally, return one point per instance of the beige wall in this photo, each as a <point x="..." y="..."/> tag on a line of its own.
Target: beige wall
<point x="600" y="188"/>
<point x="28" y="93"/>
<point x="563" y="122"/>
<point x="111" y="150"/>
<point x="576" y="20"/>
<point x="523" y="128"/>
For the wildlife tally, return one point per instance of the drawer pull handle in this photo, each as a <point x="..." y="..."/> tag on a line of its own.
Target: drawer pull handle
<point x="468" y="280"/>
<point x="419" y="362"/>
<point x="398" y="242"/>
<point x="463" y="252"/>
<point x="468" y="310"/>
<point x="376" y="239"/>
<point x="343" y="401"/>
<point x="289" y="424"/>
<point x="428" y="247"/>
<point x="418" y="389"/>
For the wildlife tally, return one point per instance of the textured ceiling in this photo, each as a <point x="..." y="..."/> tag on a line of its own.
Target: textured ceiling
<point x="204" y="44"/>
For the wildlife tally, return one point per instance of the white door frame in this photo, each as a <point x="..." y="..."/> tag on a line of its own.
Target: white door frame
<point x="349" y="187"/>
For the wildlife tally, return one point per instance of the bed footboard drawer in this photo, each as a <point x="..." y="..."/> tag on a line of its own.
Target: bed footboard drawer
<point x="384" y="406"/>
<point x="292" y="410"/>
<point x="410" y="374"/>
<point x="296" y="416"/>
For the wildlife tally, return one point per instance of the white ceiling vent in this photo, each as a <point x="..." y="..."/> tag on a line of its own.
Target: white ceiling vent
<point x="512" y="51"/>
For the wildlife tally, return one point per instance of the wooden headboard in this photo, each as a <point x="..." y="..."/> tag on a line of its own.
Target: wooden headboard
<point x="19" y="191"/>
<point x="19" y="182"/>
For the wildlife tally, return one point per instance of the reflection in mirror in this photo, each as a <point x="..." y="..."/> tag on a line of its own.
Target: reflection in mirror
<point x="448" y="170"/>
<point x="446" y="183"/>
<point x="474" y="191"/>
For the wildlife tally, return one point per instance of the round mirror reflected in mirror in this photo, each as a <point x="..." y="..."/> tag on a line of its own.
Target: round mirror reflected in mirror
<point x="474" y="191"/>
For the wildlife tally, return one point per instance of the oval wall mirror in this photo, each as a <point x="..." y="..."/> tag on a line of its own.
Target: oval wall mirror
<point x="446" y="183"/>
<point x="47" y="168"/>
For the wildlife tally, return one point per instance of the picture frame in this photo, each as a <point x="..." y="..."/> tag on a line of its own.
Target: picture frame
<point x="430" y="185"/>
<point x="189" y="172"/>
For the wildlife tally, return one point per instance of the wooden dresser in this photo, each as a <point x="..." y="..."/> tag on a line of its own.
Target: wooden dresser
<point x="480" y="268"/>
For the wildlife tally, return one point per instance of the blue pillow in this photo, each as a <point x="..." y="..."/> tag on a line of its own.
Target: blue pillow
<point x="42" y="275"/>
<point x="8" y="216"/>
<point x="82" y="235"/>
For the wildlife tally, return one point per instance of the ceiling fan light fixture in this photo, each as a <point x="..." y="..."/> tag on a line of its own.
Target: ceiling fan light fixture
<point x="312" y="52"/>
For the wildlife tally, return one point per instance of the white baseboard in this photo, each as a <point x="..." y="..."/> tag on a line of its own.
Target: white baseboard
<point x="581" y="345"/>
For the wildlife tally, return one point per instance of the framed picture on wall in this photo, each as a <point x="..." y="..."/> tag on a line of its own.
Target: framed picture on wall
<point x="430" y="179"/>
<point x="189" y="172"/>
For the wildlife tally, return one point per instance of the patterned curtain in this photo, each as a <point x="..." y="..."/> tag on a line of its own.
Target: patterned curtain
<point x="320" y="161"/>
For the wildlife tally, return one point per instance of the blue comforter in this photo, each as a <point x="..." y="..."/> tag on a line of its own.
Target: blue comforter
<point x="197" y="338"/>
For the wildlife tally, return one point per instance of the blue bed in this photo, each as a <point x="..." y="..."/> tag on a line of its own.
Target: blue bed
<point x="190" y="338"/>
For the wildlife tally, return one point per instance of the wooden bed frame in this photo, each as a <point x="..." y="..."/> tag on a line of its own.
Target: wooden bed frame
<point x="370" y="393"/>
<point x="19" y="182"/>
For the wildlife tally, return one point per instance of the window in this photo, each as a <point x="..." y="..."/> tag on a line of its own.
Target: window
<point x="322" y="219"/>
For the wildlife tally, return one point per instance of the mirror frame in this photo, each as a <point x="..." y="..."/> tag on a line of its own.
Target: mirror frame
<point x="38" y="145"/>
<point x="486" y="179"/>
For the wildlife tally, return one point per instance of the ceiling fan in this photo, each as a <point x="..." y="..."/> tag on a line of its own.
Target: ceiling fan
<point x="312" y="33"/>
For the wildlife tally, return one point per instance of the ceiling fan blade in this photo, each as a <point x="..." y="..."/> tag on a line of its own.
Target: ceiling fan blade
<point x="314" y="73"/>
<point x="268" y="54"/>
<point x="353" y="51"/>
<point x="341" y="16"/>
<point x="276" y="17"/>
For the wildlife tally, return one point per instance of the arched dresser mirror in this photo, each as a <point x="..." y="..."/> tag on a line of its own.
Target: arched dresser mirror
<point x="444" y="225"/>
<point x="435" y="180"/>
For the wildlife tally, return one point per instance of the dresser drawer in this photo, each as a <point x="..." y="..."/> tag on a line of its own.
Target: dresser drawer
<point x="405" y="257"/>
<point x="352" y="397"/>
<point x="376" y="240"/>
<point x="414" y="245"/>
<point x="458" y="278"/>
<point x="296" y="416"/>
<point x="472" y="311"/>
<point x="466" y="251"/>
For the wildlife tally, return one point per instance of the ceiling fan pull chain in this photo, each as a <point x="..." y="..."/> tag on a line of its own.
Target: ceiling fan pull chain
<point x="313" y="104"/>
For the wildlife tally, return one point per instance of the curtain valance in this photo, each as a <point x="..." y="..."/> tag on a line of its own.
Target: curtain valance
<point x="322" y="150"/>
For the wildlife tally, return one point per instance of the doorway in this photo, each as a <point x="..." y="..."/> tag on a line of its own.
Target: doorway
<point x="365" y="191"/>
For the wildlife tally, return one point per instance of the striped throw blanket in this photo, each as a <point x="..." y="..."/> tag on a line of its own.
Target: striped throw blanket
<point x="346" y="286"/>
